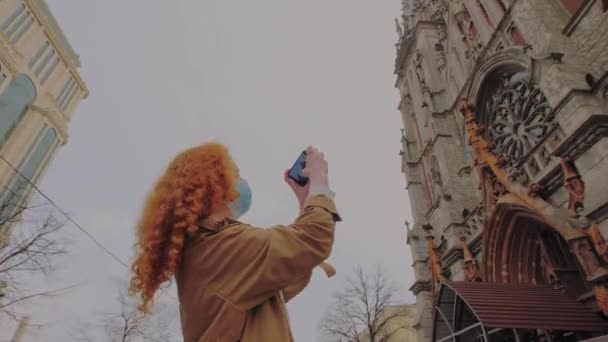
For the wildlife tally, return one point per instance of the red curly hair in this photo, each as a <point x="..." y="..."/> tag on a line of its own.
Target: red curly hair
<point x="198" y="182"/>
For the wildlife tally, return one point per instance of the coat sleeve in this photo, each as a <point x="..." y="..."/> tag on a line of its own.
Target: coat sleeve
<point x="294" y="288"/>
<point x="267" y="261"/>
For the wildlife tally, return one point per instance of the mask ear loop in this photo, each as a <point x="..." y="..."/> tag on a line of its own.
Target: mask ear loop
<point x="330" y="271"/>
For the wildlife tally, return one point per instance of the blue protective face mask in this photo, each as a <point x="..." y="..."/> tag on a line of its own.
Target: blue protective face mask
<point x="242" y="204"/>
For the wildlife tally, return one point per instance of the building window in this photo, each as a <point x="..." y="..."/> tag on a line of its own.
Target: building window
<point x="67" y="88"/>
<point x="49" y="71"/>
<point x="17" y="24"/>
<point x="66" y="95"/>
<point x="15" y="38"/>
<point x="14" y="102"/>
<point x="29" y="168"/>
<point x="44" y="62"/>
<point x="516" y="113"/>
<point x="572" y="5"/>
<point x="38" y="55"/>
<point x="66" y="104"/>
<point x="12" y="18"/>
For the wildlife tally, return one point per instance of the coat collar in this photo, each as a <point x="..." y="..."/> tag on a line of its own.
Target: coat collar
<point x="217" y="223"/>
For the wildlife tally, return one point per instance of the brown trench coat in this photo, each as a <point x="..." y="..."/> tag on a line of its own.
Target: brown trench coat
<point x="234" y="279"/>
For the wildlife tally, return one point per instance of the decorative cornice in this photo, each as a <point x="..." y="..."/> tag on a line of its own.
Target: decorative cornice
<point x="551" y="181"/>
<point x="581" y="140"/>
<point x="476" y="245"/>
<point x="456" y="253"/>
<point x="600" y="214"/>
<point x="56" y="36"/>
<point x="452" y="256"/>
<point x="420" y="286"/>
<point x="44" y="15"/>
<point x="55" y="118"/>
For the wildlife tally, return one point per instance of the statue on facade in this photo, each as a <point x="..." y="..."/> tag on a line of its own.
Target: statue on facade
<point x="586" y="258"/>
<point x="471" y="268"/>
<point x="575" y="187"/>
<point x="470" y="35"/>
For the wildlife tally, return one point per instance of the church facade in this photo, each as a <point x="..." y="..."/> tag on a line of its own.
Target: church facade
<point x="504" y="148"/>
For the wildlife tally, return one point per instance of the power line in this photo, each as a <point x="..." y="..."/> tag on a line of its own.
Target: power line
<point x="65" y="214"/>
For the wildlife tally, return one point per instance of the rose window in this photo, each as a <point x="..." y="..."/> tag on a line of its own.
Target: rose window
<point x="517" y="115"/>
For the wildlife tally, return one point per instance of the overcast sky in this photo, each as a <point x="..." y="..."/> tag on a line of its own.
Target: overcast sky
<point x="265" y="77"/>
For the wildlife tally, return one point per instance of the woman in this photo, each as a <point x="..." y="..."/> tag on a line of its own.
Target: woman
<point x="233" y="279"/>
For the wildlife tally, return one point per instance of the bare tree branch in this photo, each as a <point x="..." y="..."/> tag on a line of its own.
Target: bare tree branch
<point x="30" y="245"/>
<point x="51" y="293"/>
<point x="126" y="324"/>
<point x="359" y="311"/>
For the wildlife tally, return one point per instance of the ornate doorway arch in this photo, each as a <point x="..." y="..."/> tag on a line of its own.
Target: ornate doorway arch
<point x="520" y="247"/>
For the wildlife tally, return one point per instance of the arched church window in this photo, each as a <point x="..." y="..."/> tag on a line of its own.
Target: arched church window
<point x="516" y="114"/>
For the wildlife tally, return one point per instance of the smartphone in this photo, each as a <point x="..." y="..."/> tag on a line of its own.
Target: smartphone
<point x="295" y="173"/>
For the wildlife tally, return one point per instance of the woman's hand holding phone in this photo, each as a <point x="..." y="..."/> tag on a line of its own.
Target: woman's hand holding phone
<point x="315" y="170"/>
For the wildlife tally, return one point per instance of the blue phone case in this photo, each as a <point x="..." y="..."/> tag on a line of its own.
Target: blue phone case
<point x="295" y="173"/>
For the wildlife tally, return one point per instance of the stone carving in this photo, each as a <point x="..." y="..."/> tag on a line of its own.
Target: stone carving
<point x="492" y="189"/>
<point x="426" y="92"/>
<point x="399" y="29"/>
<point x="470" y="34"/>
<point x="419" y="71"/>
<point x="518" y="117"/>
<point x="586" y="258"/>
<point x="471" y="268"/>
<point x="534" y="190"/>
<point x="441" y="61"/>
<point x="575" y="187"/>
<point x="410" y="233"/>
<point x="442" y="6"/>
<point x="599" y="243"/>
<point x="601" y="297"/>
<point x="438" y="186"/>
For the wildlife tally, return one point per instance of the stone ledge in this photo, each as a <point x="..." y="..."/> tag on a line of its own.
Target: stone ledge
<point x="584" y="137"/>
<point x="420" y="286"/>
